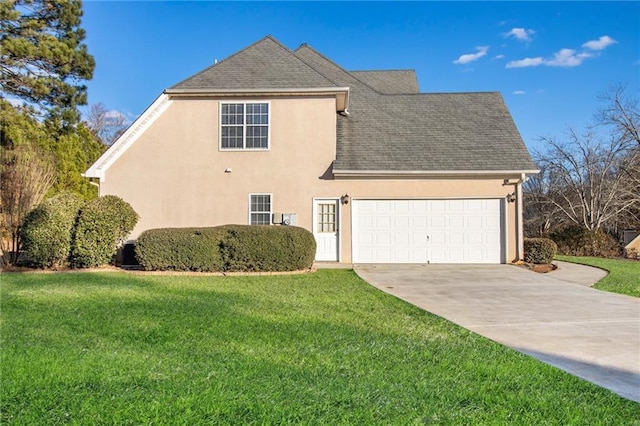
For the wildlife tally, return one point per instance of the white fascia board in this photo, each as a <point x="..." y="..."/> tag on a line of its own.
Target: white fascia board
<point x="122" y="144"/>
<point x="341" y="93"/>
<point x="435" y="173"/>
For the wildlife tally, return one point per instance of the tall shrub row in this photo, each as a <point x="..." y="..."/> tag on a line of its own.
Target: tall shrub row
<point x="227" y="248"/>
<point x="66" y="230"/>
<point x="180" y="249"/>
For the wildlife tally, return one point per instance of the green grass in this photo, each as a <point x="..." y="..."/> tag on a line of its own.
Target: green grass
<point x="322" y="348"/>
<point x="624" y="274"/>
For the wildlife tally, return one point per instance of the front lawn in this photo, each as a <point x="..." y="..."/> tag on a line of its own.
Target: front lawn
<point x="321" y="348"/>
<point x="624" y="274"/>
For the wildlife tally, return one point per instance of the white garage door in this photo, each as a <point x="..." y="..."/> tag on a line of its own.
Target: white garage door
<point x="427" y="231"/>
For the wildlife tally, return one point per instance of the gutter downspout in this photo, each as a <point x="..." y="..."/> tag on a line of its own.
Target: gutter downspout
<point x="519" y="218"/>
<point x="96" y="184"/>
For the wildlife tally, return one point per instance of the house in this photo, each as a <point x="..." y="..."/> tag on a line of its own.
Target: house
<point x="379" y="172"/>
<point x="631" y="243"/>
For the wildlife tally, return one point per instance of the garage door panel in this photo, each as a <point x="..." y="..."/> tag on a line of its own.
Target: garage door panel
<point x="475" y="238"/>
<point x="420" y="231"/>
<point x="437" y="238"/>
<point x="401" y="222"/>
<point x="402" y="239"/>
<point x="436" y="222"/>
<point x="383" y="222"/>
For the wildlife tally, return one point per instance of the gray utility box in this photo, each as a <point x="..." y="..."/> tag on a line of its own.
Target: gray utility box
<point x="284" y="219"/>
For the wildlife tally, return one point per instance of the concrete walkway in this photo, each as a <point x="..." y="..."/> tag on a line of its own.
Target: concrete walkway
<point x="578" y="274"/>
<point x="589" y="333"/>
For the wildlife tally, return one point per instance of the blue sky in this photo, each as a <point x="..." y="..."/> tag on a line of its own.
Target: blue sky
<point x="550" y="60"/>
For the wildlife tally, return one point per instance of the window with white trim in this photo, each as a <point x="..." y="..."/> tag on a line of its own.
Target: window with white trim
<point x="244" y="125"/>
<point x="260" y="209"/>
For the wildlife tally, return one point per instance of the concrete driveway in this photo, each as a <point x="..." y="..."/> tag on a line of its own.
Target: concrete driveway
<point x="589" y="333"/>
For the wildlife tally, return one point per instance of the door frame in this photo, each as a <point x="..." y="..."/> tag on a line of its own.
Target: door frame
<point x="314" y="222"/>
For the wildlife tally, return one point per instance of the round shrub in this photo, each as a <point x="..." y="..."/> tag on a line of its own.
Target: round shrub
<point x="103" y="223"/>
<point x="46" y="230"/>
<point x="267" y="248"/>
<point x="539" y="250"/>
<point x="181" y="249"/>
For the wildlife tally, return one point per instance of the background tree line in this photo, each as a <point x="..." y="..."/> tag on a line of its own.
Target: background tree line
<point x="44" y="144"/>
<point x="588" y="188"/>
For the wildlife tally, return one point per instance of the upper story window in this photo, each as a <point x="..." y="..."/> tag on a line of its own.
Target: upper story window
<point x="244" y="126"/>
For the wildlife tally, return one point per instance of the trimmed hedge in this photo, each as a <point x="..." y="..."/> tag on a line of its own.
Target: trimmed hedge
<point x="246" y="248"/>
<point x="267" y="248"/>
<point x="539" y="250"/>
<point x="102" y="225"/>
<point x="181" y="249"/>
<point x="46" y="230"/>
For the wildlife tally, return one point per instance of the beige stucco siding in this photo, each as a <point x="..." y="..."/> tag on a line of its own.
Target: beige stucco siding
<point x="174" y="173"/>
<point x="632" y="249"/>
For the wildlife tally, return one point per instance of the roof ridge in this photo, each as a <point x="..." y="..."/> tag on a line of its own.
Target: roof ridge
<point x="386" y="70"/>
<point x="489" y="92"/>
<point x="334" y="64"/>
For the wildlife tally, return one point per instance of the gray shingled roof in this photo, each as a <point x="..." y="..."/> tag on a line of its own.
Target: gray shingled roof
<point x="389" y="81"/>
<point x="266" y="64"/>
<point x="421" y="132"/>
<point x="432" y="132"/>
<point x="415" y="132"/>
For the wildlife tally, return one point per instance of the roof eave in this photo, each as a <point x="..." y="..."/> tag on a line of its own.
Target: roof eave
<point x="341" y="93"/>
<point x="412" y="174"/>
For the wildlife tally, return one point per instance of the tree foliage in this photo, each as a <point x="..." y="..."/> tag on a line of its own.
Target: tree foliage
<point x="43" y="59"/>
<point x="71" y="153"/>
<point x="27" y="172"/>
<point x="74" y="153"/>
<point x="589" y="179"/>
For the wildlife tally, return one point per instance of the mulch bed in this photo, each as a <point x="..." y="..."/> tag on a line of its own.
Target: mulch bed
<point x="541" y="268"/>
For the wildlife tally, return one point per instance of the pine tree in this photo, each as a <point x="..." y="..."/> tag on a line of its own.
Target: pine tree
<point x="43" y="59"/>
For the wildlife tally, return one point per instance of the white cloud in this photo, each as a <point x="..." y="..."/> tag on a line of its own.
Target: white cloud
<point x="526" y="62"/>
<point x="519" y="92"/>
<point x="599" y="44"/>
<point x="115" y="114"/>
<point x="562" y="58"/>
<point x="470" y="57"/>
<point x="520" y="34"/>
<point x="498" y="57"/>
<point x="567" y="58"/>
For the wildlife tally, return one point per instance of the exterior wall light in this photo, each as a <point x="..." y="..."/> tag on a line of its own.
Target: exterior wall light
<point x="511" y="198"/>
<point x="344" y="199"/>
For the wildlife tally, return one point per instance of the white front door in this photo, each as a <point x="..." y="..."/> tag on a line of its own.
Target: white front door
<point x="325" y="229"/>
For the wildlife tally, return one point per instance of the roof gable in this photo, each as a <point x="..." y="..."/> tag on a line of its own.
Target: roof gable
<point x="266" y="64"/>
